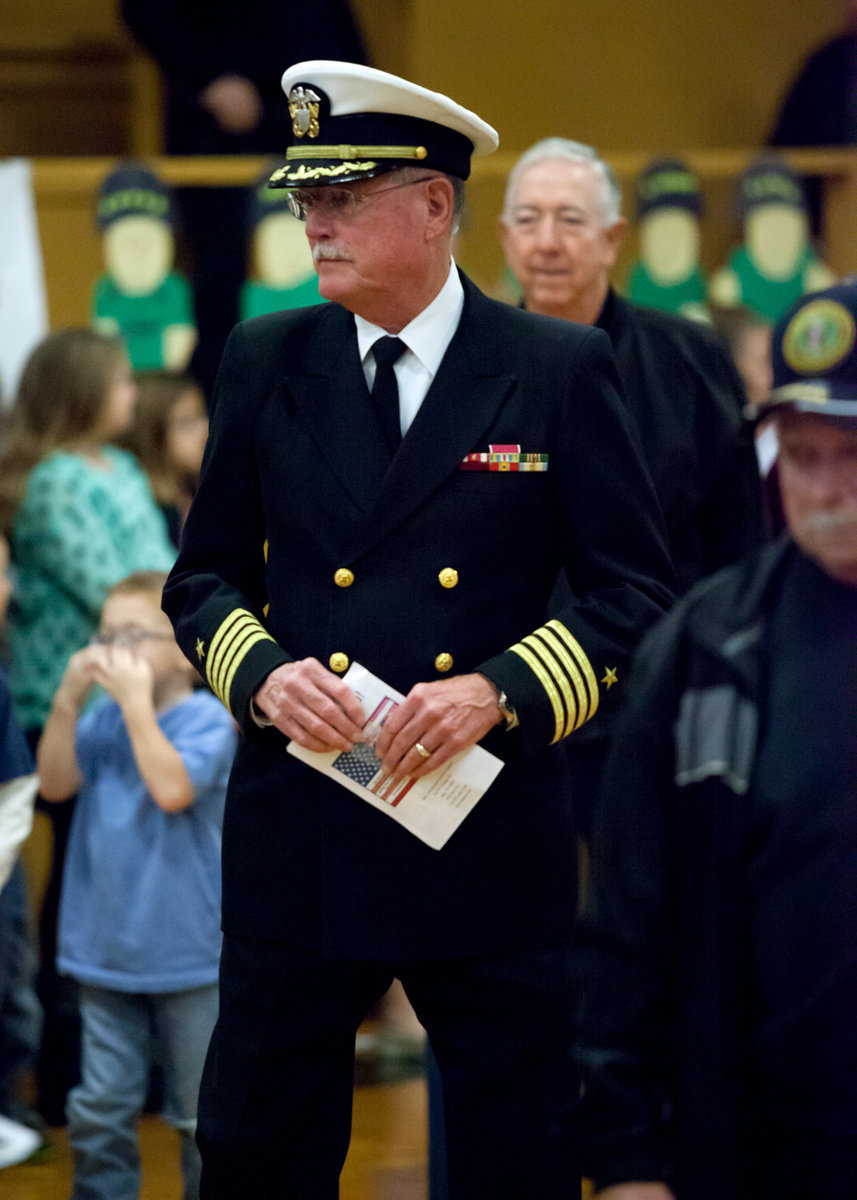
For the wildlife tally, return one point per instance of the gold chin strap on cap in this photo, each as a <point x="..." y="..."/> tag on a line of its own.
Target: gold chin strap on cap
<point x="343" y="151"/>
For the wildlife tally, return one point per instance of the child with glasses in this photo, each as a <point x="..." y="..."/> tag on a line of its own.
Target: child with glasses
<point x="140" y="908"/>
<point x="167" y="437"/>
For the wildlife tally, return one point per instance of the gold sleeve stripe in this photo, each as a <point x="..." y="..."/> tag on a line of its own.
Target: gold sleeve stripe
<point x="258" y="636"/>
<point x="583" y="665"/>
<point x="230" y="645"/>
<point x="220" y="643"/>
<point x="577" y="704"/>
<point x="238" y="647"/>
<point x="558" y="661"/>
<point x="582" y="661"/>
<point x="547" y="683"/>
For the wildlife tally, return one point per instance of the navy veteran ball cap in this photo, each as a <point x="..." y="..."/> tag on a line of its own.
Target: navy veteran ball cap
<point x="351" y="122"/>
<point x="132" y="190"/>
<point x="668" y="183"/>
<point x="815" y="355"/>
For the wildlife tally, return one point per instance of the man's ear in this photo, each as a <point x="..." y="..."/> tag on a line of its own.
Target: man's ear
<point x="616" y="232"/>
<point x="440" y="202"/>
<point x="614" y="236"/>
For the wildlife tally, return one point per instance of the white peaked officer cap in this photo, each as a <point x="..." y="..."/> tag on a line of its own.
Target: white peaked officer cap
<point x="351" y="122"/>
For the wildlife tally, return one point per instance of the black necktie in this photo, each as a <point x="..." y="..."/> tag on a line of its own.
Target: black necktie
<point x="385" y="391"/>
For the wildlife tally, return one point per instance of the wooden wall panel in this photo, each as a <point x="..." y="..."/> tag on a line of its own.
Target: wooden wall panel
<point x="56" y="22"/>
<point x="648" y="76"/>
<point x="660" y="75"/>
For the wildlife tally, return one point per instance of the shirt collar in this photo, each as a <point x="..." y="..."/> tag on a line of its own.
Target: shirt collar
<point x="429" y="334"/>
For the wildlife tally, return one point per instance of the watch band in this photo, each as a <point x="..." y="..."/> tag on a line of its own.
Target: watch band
<point x="507" y="712"/>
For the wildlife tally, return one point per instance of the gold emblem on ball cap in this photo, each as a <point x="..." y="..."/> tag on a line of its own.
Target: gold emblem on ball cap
<point x="818" y="337"/>
<point x="303" y="109"/>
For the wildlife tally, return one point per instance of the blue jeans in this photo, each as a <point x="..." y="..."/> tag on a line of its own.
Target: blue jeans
<point x="122" y="1034"/>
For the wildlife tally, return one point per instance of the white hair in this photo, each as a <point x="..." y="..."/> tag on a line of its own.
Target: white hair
<point x="609" y="193"/>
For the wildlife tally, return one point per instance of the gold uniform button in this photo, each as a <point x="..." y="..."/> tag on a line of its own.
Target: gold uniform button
<point x="448" y="577"/>
<point x="343" y="577"/>
<point x="443" y="662"/>
<point x="339" y="663"/>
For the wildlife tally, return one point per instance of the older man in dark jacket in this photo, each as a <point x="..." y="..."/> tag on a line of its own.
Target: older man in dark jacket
<point x="718" y="950"/>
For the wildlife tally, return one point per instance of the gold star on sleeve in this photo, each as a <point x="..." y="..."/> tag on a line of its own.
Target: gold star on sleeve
<point x="610" y="677"/>
<point x="200" y="649"/>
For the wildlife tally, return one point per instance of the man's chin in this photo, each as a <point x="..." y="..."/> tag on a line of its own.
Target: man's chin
<point x="332" y="278"/>
<point x="547" y="298"/>
<point x="552" y="289"/>
<point x="835" y="553"/>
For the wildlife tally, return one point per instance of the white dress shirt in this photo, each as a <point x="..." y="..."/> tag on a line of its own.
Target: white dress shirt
<point x="427" y="338"/>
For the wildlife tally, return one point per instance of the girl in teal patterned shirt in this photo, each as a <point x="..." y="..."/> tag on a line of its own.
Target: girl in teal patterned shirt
<point x="78" y="512"/>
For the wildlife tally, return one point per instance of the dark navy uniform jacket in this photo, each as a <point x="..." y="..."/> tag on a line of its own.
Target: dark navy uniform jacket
<point x="296" y="546"/>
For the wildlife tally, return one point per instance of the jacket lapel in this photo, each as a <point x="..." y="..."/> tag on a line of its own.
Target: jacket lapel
<point x="333" y="403"/>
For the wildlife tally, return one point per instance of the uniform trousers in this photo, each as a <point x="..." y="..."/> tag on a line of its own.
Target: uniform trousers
<point x="275" y="1104"/>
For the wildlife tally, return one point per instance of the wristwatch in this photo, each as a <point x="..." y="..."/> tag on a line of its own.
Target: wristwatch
<point x="507" y="712"/>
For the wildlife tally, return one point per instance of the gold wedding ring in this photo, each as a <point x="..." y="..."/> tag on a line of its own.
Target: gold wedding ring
<point x="421" y="750"/>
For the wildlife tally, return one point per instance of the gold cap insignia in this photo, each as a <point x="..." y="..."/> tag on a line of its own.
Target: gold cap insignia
<point x="818" y="337"/>
<point x="303" y="109"/>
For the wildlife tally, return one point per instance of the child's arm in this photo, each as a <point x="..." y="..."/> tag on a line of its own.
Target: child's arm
<point x="129" y="681"/>
<point x="59" y="773"/>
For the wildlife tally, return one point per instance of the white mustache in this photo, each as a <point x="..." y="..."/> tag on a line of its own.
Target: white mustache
<point x="328" y="251"/>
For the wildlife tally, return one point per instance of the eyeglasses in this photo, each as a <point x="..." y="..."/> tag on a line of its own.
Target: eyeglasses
<point x="130" y="637"/>
<point x="339" y="202"/>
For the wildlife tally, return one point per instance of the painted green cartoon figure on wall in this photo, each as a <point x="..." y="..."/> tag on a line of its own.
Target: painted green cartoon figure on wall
<point x="667" y="274"/>
<point x="140" y="296"/>
<point x="776" y="265"/>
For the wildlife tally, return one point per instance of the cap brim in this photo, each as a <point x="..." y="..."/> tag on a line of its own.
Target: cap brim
<point x="327" y="171"/>
<point x="810" y="396"/>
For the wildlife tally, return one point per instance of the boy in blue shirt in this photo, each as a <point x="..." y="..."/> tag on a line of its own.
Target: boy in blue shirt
<point x="140" y="909"/>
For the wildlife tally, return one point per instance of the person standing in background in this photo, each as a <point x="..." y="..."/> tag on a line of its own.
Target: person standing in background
<point x="717" y="952"/>
<point x="561" y="229"/>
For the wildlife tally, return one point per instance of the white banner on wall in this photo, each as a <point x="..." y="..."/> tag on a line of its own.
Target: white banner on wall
<point x="23" y="304"/>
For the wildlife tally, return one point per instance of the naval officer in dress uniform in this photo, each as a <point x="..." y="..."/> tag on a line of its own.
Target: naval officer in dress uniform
<point x="350" y="511"/>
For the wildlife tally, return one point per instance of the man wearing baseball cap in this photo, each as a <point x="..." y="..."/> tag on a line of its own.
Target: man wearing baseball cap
<point x="719" y="955"/>
<point x="395" y="480"/>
